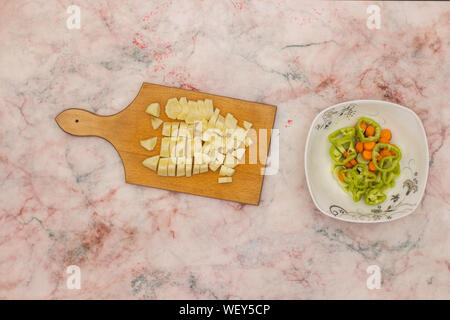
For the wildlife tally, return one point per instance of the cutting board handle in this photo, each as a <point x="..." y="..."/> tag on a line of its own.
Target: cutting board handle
<point x="80" y="122"/>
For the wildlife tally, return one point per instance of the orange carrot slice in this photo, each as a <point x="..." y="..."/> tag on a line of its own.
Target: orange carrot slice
<point x="386" y="134"/>
<point x="359" y="146"/>
<point x="369" y="145"/>
<point x="367" y="155"/>
<point x="370" y="131"/>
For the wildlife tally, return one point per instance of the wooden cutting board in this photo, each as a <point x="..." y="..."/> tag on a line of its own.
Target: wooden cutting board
<point x="125" y="129"/>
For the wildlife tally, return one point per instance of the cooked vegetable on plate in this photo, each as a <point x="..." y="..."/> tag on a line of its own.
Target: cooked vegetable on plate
<point x="365" y="163"/>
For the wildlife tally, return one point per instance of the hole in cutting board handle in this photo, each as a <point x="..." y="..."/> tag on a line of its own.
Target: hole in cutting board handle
<point x="76" y="120"/>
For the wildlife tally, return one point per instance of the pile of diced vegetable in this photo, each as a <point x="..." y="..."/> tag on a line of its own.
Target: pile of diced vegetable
<point x="201" y="140"/>
<point x="365" y="162"/>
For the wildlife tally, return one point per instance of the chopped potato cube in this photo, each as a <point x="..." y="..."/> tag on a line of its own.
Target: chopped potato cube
<point x="188" y="170"/>
<point x="153" y="109"/>
<point x="149" y="144"/>
<point x="213" y="166"/>
<point x="209" y="108"/>
<point x="196" y="169"/>
<point x="190" y="131"/>
<point x="181" y="167"/>
<point x="184" y="109"/>
<point x="220" y="123"/>
<point x="173" y="108"/>
<point x="181" y="147"/>
<point x="171" y="167"/>
<point x="239" y="153"/>
<point x="230" y="161"/>
<point x="156" y="123"/>
<point x="226" y="171"/>
<point x="230" y="121"/>
<point x="193" y="114"/>
<point x="167" y="126"/>
<point x="203" y="168"/>
<point x="239" y="134"/>
<point x="225" y="179"/>
<point x="247" y="125"/>
<point x="173" y="147"/>
<point x="165" y="147"/>
<point x="220" y="158"/>
<point x="151" y="163"/>
<point x="183" y="130"/>
<point x="162" y="166"/>
<point x="174" y="129"/>
<point x="189" y="147"/>
<point x="189" y="163"/>
<point x="213" y="119"/>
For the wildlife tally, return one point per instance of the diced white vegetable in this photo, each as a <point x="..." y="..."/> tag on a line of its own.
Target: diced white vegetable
<point x="166" y="129"/>
<point x="181" y="167"/>
<point x="247" y="125"/>
<point x="230" y="161"/>
<point x="198" y="128"/>
<point x="209" y="108"/>
<point x="153" y="109"/>
<point x="206" y="159"/>
<point x="190" y="131"/>
<point x="213" y="166"/>
<point x="162" y="166"/>
<point x="197" y="145"/>
<point x="151" y="163"/>
<point x="217" y="162"/>
<point x="173" y="108"/>
<point x="198" y="158"/>
<point x="165" y="147"/>
<point x="184" y="109"/>
<point x="193" y="114"/>
<point x="181" y="147"/>
<point x="196" y="169"/>
<point x="173" y="147"/>
<point x="189" y="147"/>
<point x="171" y="167"/>
<point x="189" y="163"/>
<point x="211" y="133"/>
<point x="183" y="129"/>
<point x="239" y="134"/>
<point x="219" y="158"/>
<point x="203" y="168"/>
<point x="149" y="144"/>
<point x="248" y="142"/>
<point x="156" y="123"/>
<point x="230" y="143"/>
<point x="188" y="170"/>
<point x="206" y="147"/>
<point x="220" y="123"/>
<point x="226" y="171"/>
<point x="174" y="129"/>
<point x="225" y="179"/>
<point x="201" y="109"/>
<point x="204" y="125"/>
<point x="239" y="153"/>
<point x="230" y="121"/>
<point x="218" y="143"/>
<point x="213" y="119"/>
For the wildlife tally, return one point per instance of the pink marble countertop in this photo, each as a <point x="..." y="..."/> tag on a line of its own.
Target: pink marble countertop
<point x="63" y="200"/>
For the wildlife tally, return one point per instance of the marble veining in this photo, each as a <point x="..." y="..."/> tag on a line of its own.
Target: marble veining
<point x="63" y="200"/>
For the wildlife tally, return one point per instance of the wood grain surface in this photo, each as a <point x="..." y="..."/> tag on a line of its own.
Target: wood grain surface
<point x="125" y="129"/>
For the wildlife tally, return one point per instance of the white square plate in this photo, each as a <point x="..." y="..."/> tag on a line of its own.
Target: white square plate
<point x="407" y="133"/>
